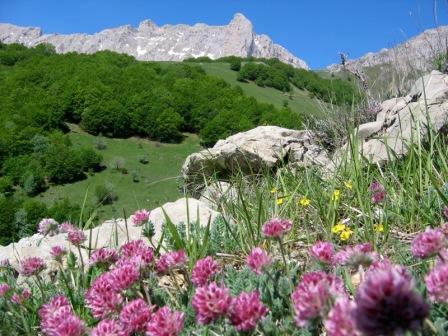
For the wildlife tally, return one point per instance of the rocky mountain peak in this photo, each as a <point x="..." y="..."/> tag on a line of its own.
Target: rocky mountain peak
<point x="147" y="25"/>
<point x="150" y="42"/>
<point x="241" y="21"/>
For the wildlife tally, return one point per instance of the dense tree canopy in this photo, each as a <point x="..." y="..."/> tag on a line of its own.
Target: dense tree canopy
<point x="115" y="95"/>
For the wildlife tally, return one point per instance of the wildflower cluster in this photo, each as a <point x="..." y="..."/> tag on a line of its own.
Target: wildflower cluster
<point x="378" y="192"/>
<point x="212" y="302"/>
<point x="302" y="201"/>
<point x="140" y="217"/>
<point x="385" y="303"/>
<point x="433" y="243"/>
<point x="122" y="290"/>
<point x="57" y="318"/>
<point x="342" y="230"/>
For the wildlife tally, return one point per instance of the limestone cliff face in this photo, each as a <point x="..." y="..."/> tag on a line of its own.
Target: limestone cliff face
<point x="150" y="42"/>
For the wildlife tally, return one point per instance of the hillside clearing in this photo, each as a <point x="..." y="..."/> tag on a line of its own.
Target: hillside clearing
<point x="158" y="178"/>
<point x="298" y="101"/>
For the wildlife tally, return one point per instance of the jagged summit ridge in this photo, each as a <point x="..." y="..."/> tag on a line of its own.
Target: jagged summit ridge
<point x="150" y="42"/>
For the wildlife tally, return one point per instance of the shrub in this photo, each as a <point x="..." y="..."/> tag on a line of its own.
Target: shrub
<point x="33" y="182"/>
<point x="28" y="217"/>
<point x="135" y="176"/>
<point x="6" y="186"/>
<point x="105" y="193"/>
<point x="64" y="209"/>
<point x="15" y="167"/>
<point x="89" y="159"/>
<point x="8" y="208"/>
<point x="223" y="125"/>
<point x="144" y="159"/>
<point x="100" y="143"/>
<point x="63" y="164"/>
<point x="235" y="65"/>
<point x="167" y="126"/>
<point x="118" y="163"/>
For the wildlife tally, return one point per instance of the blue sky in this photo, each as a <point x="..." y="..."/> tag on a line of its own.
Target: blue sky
<point x="314" y="30"/>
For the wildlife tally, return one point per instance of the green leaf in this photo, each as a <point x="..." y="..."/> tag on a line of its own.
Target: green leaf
<point x="178" y="242"/>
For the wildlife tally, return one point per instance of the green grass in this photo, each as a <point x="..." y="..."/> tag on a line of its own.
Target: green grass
<point x="299" y="102"/>
<point x="158" y="178"/>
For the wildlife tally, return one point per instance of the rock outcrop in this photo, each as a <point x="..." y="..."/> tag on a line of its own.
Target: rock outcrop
<point x="112" y="233"/>
<point x="405" y="120"/>
<point x="262" y="148"/>
<point x="149" y="42"/>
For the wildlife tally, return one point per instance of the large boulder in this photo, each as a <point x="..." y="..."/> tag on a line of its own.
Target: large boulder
<point x="405" y="120"/>
<point x="112" y="233"/>
<point x="262" y="148"/>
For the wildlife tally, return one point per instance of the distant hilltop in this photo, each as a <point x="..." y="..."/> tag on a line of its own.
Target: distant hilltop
<point x="418" y="51"/>
<point x="395" y="69"/>
<point x="149" y="42"/>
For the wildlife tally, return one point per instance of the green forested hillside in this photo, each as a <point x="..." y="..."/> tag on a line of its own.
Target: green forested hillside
<point x="116" y="95"/>
<point x="110" y="95"/>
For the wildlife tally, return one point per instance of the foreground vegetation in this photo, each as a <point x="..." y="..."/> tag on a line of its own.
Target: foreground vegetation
<point x="360" y="253"/>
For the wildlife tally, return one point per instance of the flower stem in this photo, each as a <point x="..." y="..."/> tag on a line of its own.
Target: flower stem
<point x="145" y="293"/>
<point x="440" y="255"/>
<point x="431" y="326"/>
<point x="41" y="287"/>
<point x="67" y="286"/>
<point x="282" y="250"/>
<point x="81" y="258"/>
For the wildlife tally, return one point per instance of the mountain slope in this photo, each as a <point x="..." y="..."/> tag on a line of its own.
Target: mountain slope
<point x="150" y="42"/>
<point x="396" y="68"/>
<point x="298" y="101"/>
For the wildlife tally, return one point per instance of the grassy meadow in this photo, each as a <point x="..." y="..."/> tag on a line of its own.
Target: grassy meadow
<point x="299" y="101"/>
<point x="157" y="179"/>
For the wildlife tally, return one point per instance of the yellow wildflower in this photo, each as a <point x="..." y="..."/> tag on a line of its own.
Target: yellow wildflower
<point x="348" y="185"/>
<point x="274" y="190"/>
<point x="336" y="195"/>
<point x="338" y="227"/>
<point x="282" y="199"/>
<point x="378" y="228"/>
<point x="346" y="234"/>
<point x="304" y="201"/>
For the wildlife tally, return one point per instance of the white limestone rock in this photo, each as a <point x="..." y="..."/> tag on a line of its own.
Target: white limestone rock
<point x="262" y="148"/>
<point x="112" y="233"/>
<point x="149" y="42"/>
<point x="404" y="120"/>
